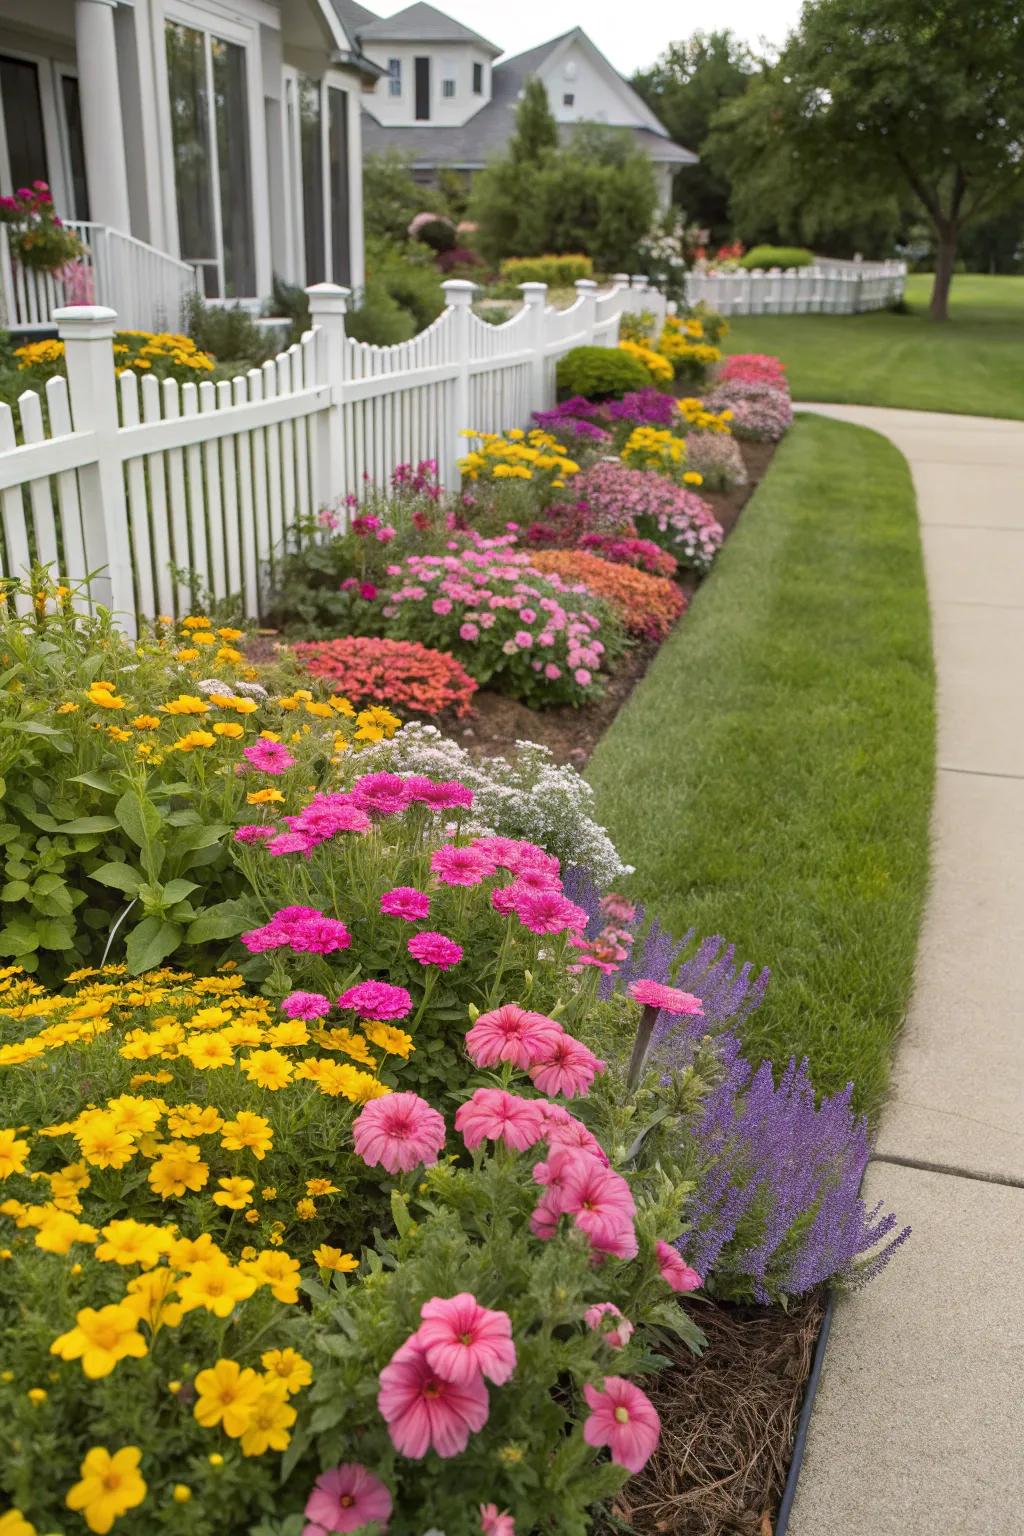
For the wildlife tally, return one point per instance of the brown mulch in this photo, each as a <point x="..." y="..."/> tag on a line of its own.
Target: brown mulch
<point x="728" y="1420"/>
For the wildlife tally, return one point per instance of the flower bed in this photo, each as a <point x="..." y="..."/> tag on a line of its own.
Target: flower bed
<point x="647" y="605"/>
<point x="671" y="515"/>
<point x="401" y="672"/>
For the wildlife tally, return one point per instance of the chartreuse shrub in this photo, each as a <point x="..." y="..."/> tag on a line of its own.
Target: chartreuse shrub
<point x="556" y="271"/>
<point x="600" y="373"/>
<point x="785" y="256"/>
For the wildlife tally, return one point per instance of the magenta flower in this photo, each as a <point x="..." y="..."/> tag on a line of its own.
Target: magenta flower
<point x="385" y="793"/>
<point x="407" y="902"/>
<point x="376" y="1000"/>
<point x="254" y="832"/>
<point x="268" y="756"/>
<point x="494" y="1115"/>
<point x="398" y="1131"/>
<point x="347" y="1498"/>
<point x="598" y="1199"/>
<point x="495" y="1522"/>
<point x="568" y="1068"/>
<point x="547" y="911"/>
<point x="617" y="1336"/>
<point x="511" y="1033"/>
<point x="651" y="994"/>
<point x="302" y="929"/>
<point x="439" y="794"/>
<point x="460" y="866"/>
<point x="421" y="1409"/>
<point x="305" y="1005"/>
<point x="624" y="1419"/>
<point x="463" y="1340"/>
<point x="674" y="1270"/>
<point x="434" y="949"/>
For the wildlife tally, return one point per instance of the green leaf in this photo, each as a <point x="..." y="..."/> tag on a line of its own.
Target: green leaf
<point x="150" y="943"/>
<point x="194" y="837"/>
<point x="143" y="823"/>
<point x="86" y="824"/>
<point x="15" y="890"/>
<point x="33" y="728"/>
<point x="121" y="876"/>
<point x="94" y="781"/>
<point x="222" y="921"/>
<point x="19" y="937"/>
<point x="176" y="890"/>
<point x="55" y="933"/>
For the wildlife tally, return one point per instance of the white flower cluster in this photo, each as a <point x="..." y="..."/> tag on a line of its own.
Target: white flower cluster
<point x="531" y="797"/>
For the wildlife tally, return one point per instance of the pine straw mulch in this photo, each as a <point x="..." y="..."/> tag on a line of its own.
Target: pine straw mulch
<point x="728" y="1420"/>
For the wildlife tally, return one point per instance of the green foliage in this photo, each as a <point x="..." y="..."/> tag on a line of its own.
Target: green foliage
<point x="379" y="318"/>
<point x="288" y="299"/>
<point x="391" y="197"/>
<point x="536" y="131"/>
<point x="229" y="334"/>
<point x="556" y="271"/>
<point x="600" y="373"/>
<point x="409" y="277"/>
<point x="437" y="233"/>
<point x="785" y="256"/>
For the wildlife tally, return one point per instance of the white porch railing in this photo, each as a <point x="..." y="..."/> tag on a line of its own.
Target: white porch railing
<point x="830" y="288"/>
<point x="131" y="477"/>
<point x="145" y="285"/>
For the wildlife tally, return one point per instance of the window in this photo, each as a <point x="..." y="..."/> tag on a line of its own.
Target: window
<point x="317" y="123"/>
<point x="448" y="73"/>
<point x="448" y="88"/>
<point x="422" y="71"/>
<point x="76" y="146"/>
<point x="568" y="100"/>
<point x="394" y="77"/>
<point x="311" y="153"/>
<point x="478" y="79"/>
<point x="337" y="119"/>
<point x="23" y="122"/>
<point x="212" y="174"/>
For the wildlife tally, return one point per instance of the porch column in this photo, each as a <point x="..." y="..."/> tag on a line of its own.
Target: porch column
<point x="102" y="128"/>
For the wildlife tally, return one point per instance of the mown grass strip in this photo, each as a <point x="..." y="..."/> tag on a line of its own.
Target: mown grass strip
<point x="771" y="777"/>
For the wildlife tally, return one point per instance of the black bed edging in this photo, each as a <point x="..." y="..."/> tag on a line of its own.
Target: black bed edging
<point x="800" y="1441"/>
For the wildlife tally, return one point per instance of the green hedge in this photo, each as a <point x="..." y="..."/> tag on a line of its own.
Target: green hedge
<point x="556" y="271"/>
<point x="600" y="373"/>
<point x="777" y="256"/>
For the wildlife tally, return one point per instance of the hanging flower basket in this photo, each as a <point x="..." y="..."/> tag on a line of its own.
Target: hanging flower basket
<point x="39" y="240"/>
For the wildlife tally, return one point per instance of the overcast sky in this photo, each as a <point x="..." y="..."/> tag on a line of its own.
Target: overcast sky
<point x="631" y="33"/>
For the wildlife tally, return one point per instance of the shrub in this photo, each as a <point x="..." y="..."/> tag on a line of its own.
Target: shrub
<point x="533" y="636"/>
<point x="556" y="271"/>
<point x="714" y="325"/>
<point x="600" y="373"/>
<point x="753" y="368"/>
<point x="691" y="356"/>
<point x="228" y="334"/>
<point x="659" y="368"/>
<point x="459" y="258"/>
<point x="517" y="455"/>
<point x="398" y="672"/>
<point x="761" y="413"/>
<point x="391" y="196"/>
<point x="529" y="797"/>
<point x="433" y="229"/>
<point x="639" y="328"/>
<point x="379" y="319"/>
<point x="643" y="553"/>
<point x="717" y="459"/>
<point x="784" y="256"/>
<point x="645" y="408"/>
<point x="656" y="508"/>
<point x="647" y="605"/>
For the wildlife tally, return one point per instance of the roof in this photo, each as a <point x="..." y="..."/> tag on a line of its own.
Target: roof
<point x="486" y="134"/>
<point x="353" y="16"/>
<point x="420" y="23"/>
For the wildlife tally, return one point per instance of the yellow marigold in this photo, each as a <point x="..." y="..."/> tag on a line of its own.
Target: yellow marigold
<point x="278" y="1270"/>
<point x="151" y="1296"/>
<point x="387" y="1038"/>
<point x="215" y="1285"/>
<point x="268" y="1069"/>
<point x="110" y="1484"/>
<point x="332" y="1258"/>
<point x="100" y="1339"/>
<point x="13" y="1153"/>
<point x="133" y="1242"/>
<point x="230" y="729"/>
<point x="226" y="1395"/>
<point x="264" y="796"/>
<point x="288" y="1367"/>
<point x="247" y="1132"/>
<point x="146" y="723"/>
<point x="193" y="740"/>
<point x="105" y="696"/>
<point x="235" y="1193"/>
<point x="270" y="1420"/>
<point x="185" y="704"/>
<point x="178" y="1168"/>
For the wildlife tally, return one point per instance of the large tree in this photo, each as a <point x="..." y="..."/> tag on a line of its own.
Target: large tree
<point x="919" y="100"/>
<point x="685" y="89"/>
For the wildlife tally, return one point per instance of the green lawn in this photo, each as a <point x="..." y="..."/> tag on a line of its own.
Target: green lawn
<point x="771" y="776"/>
<point x="973" y="364"/>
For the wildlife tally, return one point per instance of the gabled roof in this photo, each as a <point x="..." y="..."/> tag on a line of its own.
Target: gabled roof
<point x="534" y="60"/>
<point x="421" y="23"/>
<point x="485" y="134"/>
<point x="354" y="16"/>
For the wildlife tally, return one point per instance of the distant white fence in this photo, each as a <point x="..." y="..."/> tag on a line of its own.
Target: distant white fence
<point x="129" y="477"/>
<point x="828" y="288"/>
<point x="145" y="286"/>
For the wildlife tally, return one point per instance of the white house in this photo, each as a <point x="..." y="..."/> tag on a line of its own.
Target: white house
<point x="225" y="134"/>
<point x="446" y="102"/>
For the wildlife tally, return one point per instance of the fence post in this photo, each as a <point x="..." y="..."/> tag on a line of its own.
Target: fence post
<point x="87" y="332"/>
<point x="535" y="298"/>
<point x="327" y="306"/>
<point x="458" y="292"/>
<point x="586" y="289"/>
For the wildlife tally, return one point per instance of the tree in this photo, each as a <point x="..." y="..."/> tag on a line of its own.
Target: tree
<point x="691" y="81"/>
<point x="912" y="100"/>
<point x="536" y="132"/>
<point x="392" y="198"/>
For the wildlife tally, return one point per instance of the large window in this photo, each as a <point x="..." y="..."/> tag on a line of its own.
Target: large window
<point x="338" y="143"/>
<point x="212" y="175"/>
<point x="319" y="192"/>
<point x="311" y="144"/>
<point x="42" y="132"/>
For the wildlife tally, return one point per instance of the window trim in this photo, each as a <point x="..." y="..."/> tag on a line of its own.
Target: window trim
<point x="55" y="129"/>
<point x="294" y="194"/>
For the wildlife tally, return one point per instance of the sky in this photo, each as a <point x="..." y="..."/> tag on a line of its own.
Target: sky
<point x="630" y="33"/>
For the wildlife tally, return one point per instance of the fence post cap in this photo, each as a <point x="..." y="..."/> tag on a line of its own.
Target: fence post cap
<point x="328" y="298"/>
<point x="85" y="320"/>
<point x="620" y="279"/>
<point x="533" y="287"/>
<point x="458" y="290"/>
<point x="584" y="285"/>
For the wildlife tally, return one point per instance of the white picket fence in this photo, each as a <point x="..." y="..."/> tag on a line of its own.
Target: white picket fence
<point x="829" y="288"/>
<point x="123" y="478"/>
<point x="146" y="286"/>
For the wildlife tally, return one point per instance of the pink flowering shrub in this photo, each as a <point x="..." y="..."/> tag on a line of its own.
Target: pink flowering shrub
<point x="652" y="507"/>
<point x="538" y="637"/>
<point x="717" y="459"/>
<point x="643" y="554"/>
<point x="753" y="368"/>
<point x="761" y="411"/>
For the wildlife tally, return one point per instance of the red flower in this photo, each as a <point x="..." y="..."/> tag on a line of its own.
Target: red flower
<point x="369" y="668"/>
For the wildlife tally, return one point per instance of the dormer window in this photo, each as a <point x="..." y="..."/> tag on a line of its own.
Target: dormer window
<point x="478" y="79"/>
<point x="394" y="77"/>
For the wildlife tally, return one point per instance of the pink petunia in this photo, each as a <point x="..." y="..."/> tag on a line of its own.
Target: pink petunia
<point x="651" y="994"/>
<point x="376" y="1000"/>
<point x="568" y="1068"/>
<point x="495" y="1521"/>
<point x="674" y="1270"/>
<point x="346" y="1498"/>
<point x="305" y="1005"/>
<point x="434" y="949"/>
<point x="511" y="1033"/>
<point x="406" y="902"/>
<point x="268" y="756"/>
<point x="398" y="1131"/>
<point x="494" y="1115"/>
<point x="596" y="1197"/>
<point x="462" y="1339"/>
<point x="617" y="1336"/>
<point x="624" y="1419"/>
<point x="422" y="1410"/>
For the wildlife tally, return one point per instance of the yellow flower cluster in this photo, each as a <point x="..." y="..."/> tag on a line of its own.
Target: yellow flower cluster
<point x="680" y="349"/>
<point x="659" y="368"/>
<point x="518" y="455"/>
<point x="657" y="448"/>
<point x="696" y="415"/>
<point x="39" y="354"/>
<point x="166" y="353"/>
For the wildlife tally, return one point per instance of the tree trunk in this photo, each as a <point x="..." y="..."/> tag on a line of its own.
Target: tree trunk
<point x="945" y="256"/>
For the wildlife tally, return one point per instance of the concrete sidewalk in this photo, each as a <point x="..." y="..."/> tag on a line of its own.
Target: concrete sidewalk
<point x="918" y="1427"/>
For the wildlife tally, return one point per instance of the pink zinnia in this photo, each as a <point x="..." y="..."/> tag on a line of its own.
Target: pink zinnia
<point x="422" y="1410"/>
<point x="302" y="929"/>
<point x="568" y="1068"/>
<point x="385" y="793"/>
<point x="345" y="1499"/>
<point x="462" y="1340"/>
<point x="548" y="911"/>
<point x="305" y="1005"/>
<point x="460" y="866"/>
<point x="407" y="902"/>
<point x="651" y="994"/>
<point x="511" y="1033"/>
<point x="377" y="1000"/>
<point x="616" y="1337"/>
<point x="624" y="1419"/>
<point x="268" y="756"/>
<point x="674" y="1269"/>
<point x="398" y="1131"/>
<point x="434" y="949"/>
<point x="439" y="794"/>
<point x="495" y="1521"/>
<point x="254" y="832"/>
<point x="494" y="1115"/>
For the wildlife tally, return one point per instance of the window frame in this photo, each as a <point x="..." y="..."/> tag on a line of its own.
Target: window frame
<point x="478" y="78"/>
<point x="294" y="190"/>
<point x="394" y="78"/>
<point x="56" y="142"/>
